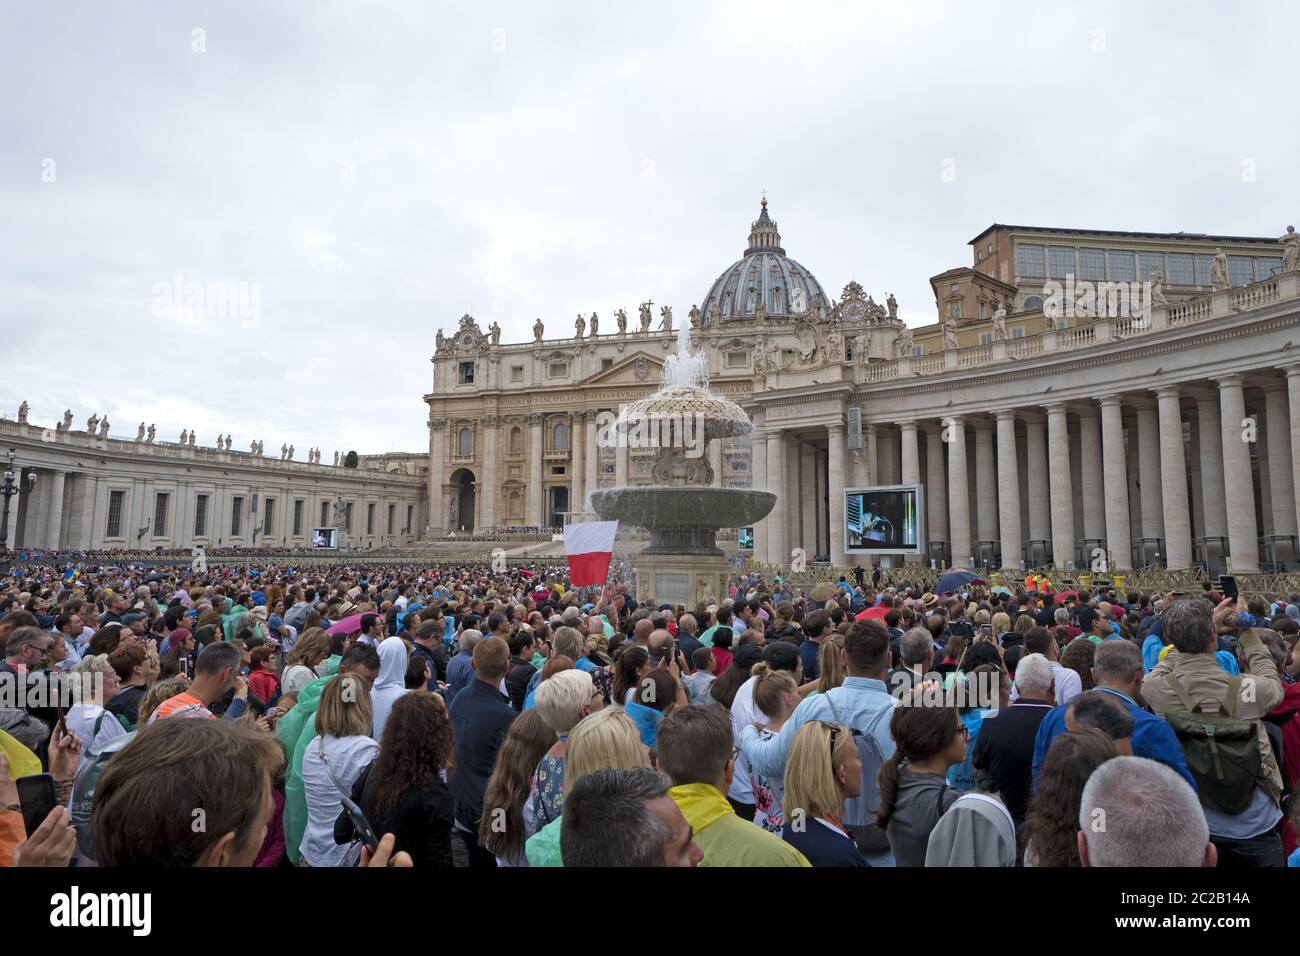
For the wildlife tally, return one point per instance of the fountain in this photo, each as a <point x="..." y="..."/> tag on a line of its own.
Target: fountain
<point x="682" y="510"/>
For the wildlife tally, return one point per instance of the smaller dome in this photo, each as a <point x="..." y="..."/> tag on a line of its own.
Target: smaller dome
<point x="766" y="276"/>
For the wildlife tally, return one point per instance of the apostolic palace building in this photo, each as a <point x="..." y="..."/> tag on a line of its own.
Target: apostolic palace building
<point x="1079" y="389"/>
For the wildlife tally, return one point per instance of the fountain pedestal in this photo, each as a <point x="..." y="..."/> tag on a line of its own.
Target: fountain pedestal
<point x="685" y="579"/>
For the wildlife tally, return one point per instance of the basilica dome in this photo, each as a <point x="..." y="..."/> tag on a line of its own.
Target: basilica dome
<point x="765" y="277"/>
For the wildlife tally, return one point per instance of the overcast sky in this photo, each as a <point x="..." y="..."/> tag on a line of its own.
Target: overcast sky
<point x="375" y="170"/>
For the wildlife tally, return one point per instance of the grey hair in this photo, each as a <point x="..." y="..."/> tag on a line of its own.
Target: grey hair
<point x="1137" y="812"/>
<point x="571" y="614"/>
<point x="468" y="638"/>
<point x="1189" y="625"/>
<point x="606" y="821"/>
<point x="1118" y="661"/>
<point x="1034" y="673"/>
<point x="915" y="644"/>
<point x="1061" y="615"/>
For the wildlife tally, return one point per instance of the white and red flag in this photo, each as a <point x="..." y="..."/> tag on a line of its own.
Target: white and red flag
<point x="589" y="546"/>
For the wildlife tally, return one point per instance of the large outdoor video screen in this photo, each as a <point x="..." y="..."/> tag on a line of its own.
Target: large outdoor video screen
<point x="325" y="538"/>
<point x="886" y="519"/>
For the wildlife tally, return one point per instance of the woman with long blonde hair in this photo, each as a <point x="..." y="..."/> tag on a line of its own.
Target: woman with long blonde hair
<point x="334" y="758"/>
<point x="605" y="740"/>
<point x="822" y="771"/>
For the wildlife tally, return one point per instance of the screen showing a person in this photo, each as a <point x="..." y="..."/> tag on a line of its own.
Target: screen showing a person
<point x="883" y="519"/>
<point x="745" y="539"/>
<point x="324" y="538"/>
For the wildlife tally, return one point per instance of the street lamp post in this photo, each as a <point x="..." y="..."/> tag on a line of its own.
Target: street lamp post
<point x="10" y="485"/>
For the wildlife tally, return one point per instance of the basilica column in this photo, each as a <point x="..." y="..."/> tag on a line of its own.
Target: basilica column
<point x="910" y="454"/>
<point x="986" y="483"/>
<point x="835" y="479"/>
<point x="758" y="481"/>
<point x="592" y="460"/>
<point x="958" y="492"/>
<point x="1060" y="483"/>
<point x="807" y="538"/>
<point x="1242" y="542"/>
<point x="936" y="488"/>
<point x="873" y="464"/>
<point x="488" y="490"/>
<point x="1281" y="479"/>
<point x="54" y="520"/>
<point x="1115" y="477"/>
<point x="437" y="468"/>
<point x="1009" y="491"/>
<point x="1040" y="512"/>
<point x="778" y="551"/>
<point x="1210" y="433"/>
<point x="1173" y="481"/>
<point x="534" y="471"/>
<point x="1093" y="479"/>
<point x="577" y="461"/>
<point x="1153" y="522"/>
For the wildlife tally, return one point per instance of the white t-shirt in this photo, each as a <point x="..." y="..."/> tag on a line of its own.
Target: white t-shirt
<point x="743" y="712"/>
<point x="347" y="757"/>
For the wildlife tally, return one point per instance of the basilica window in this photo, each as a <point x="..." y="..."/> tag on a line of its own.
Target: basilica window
<point x="464" y="443"/>
<point x="466" y="373"/>
<point x="560" y="437"/>
<point x="516" y="373"/>
<point x="558" y="370"/>
<point x="737" y="359"/>
<point x="516" y="441"/>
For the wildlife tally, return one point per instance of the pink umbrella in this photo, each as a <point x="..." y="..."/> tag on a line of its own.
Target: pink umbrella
<point x="349" y="625"/>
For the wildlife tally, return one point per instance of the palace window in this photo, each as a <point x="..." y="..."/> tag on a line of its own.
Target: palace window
<point x="1033" y="303"/>
<point x="1029" y="260"/>
<point x="1267" y="266"/>
<point x="1018" y="332"/>
<point x="1148" y="261"/>
<point x="986" y="338"/>
<point x="160" y="502"/>
<point x="1204" y="263"/>
<point x="1181" y="269"/>
<point x="116" y="499"/>
<point x="1122" y="268"/>
<point x="1241" y="270"/>
<point x="954" y="310"/>
<point x="1092" y="264"/>
<point x="1060" y="260"/>
<point x="201" y="516"/>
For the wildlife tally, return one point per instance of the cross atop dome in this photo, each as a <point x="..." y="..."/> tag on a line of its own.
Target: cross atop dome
<point x="763" y="236"/>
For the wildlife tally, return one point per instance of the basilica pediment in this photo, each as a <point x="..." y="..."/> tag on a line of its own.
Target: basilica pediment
<point x="637" y="369"/>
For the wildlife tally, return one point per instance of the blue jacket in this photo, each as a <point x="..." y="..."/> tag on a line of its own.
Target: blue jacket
<point x="1152" y="737"/>
<point x="861" y="702"/>
<point x="459" y="674"/>
<point x="821" y="845"/>
<point x="480" y="717"/>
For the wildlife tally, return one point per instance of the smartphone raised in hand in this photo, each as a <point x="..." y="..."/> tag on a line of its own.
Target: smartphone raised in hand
<point x="38" y="798"/>
<point x="1227" y="586"/>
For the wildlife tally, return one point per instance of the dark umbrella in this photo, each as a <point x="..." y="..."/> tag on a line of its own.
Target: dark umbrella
<point x="953" y="581"/>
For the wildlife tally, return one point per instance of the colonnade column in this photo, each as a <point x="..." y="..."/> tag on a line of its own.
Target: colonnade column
<point x="1173" y="480"/>
<point x="936" y="486"/>
<point x="1281" y="478"/>
<point x="1009" y="491"/>
<point x="1061" y="485"/>
<point x="1092" y="474"/>
<point x="1115" y="477"/>
<point x="1040" y="511"/>
<point x="1148" y="440"/>
<point x="54" y="519"/>
<point x="986" y="483"/>
<point x="958" y="492"/>
<point x="1243" y="544"/>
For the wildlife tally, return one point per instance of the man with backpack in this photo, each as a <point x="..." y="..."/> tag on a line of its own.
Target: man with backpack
<point x="1218" y="720"/>
<point x="863" y="704"/>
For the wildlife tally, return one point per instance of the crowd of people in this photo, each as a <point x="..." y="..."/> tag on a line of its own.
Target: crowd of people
<point x="457" y="715"/>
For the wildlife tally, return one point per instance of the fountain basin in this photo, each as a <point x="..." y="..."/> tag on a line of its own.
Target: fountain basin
<point x="683" y="519"/>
